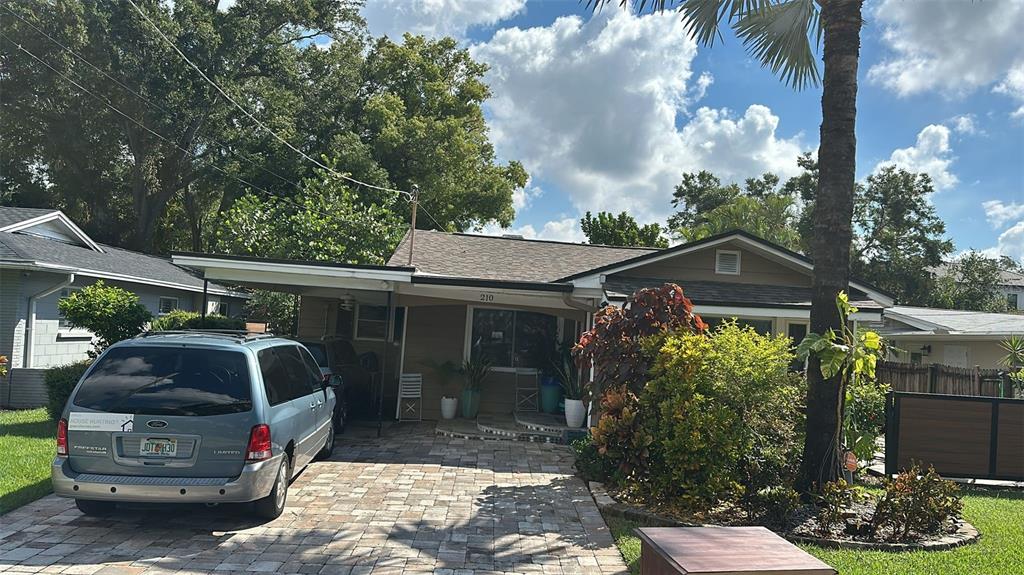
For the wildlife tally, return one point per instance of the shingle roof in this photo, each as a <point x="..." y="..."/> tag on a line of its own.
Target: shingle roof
<point x="10" y="215"/>
<point x="726" y="293"/>
<point x="960" y="321"/>
<point x="505" y="258"/>
<point x="113" y="260"/>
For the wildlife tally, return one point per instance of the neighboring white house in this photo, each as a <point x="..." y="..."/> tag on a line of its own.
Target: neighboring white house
<point x="1012" y="286"/>
<point x="44" y="256"/>
<point x="950" y="337"/>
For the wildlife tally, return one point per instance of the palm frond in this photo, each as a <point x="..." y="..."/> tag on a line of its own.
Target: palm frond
<point x="779" y="36"/>
<point x="704" y="16"/>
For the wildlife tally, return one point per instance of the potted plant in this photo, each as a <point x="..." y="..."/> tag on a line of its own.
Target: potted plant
<point x="446" y="372"/>
<point x="474" y="373"/>
<point x="567" y="372"/>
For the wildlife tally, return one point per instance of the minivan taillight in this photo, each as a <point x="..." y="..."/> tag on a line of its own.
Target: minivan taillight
<point x="62" y="437"/>
<point x="259" y="443"/>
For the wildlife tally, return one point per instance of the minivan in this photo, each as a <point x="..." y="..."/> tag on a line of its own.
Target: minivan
<point x="193" y="417"/>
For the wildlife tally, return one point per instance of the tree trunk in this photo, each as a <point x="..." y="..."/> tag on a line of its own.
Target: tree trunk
<point x="833" y="232"/>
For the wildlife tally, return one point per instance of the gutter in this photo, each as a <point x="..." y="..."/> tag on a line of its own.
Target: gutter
<point x="30" y="343"/>
<point x="580" y="305"/>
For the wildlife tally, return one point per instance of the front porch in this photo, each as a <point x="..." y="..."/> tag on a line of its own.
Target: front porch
<point x="397" y="323"/>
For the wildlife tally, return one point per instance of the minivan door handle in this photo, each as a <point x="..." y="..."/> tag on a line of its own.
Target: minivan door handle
<point x="312" y="406"/>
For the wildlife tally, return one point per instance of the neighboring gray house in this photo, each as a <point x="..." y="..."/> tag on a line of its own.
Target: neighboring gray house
<point x="950" y="336"/>
<point x="1012" y="286"/>
<point x="44" y="256"/>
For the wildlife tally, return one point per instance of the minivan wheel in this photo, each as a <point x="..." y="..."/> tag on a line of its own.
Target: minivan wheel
<point x="328" y="448"/>
<point x="94" y="507"/>
<point x="272" y="506"/>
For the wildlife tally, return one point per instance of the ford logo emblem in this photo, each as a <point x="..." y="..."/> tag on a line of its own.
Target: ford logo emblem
<point x="156" y="423"/>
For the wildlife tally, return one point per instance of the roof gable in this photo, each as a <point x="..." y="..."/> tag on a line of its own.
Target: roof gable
<point x="50" y="224"/>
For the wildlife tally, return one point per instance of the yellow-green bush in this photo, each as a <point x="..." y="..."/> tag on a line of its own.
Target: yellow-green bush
<point x="724" y="412"/>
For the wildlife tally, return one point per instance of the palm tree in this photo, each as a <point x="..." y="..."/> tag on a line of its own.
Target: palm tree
<point x="783" y="35"/>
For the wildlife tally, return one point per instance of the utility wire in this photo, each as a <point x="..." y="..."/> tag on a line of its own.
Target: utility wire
<point x="107" y="103"/>
<point x="254" y="163"/>
<point x="249" y="114"/>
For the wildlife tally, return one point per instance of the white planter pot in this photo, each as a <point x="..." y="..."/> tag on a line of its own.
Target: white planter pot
<point x="575" y="413"/>
<point x="448" y="407"/>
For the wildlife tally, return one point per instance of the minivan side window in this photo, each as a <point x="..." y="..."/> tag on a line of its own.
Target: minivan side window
<point x="275" y="378"/>
<point x="302" y="381"/>
<point x="313" y="367"/>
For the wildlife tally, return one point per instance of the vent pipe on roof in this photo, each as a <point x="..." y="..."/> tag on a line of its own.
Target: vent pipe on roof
<point x="414" y="200"/>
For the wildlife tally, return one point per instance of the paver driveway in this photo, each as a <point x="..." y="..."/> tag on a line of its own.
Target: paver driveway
<point x="408" y="503"/>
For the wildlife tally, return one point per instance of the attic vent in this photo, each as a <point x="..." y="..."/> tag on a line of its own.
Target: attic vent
<point x="727" y="262"/>
<point x="512" y="236"/>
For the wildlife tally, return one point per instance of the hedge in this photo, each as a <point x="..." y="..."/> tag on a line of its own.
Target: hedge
<point x="60" y="382"/>
<point x="181" y="319"/>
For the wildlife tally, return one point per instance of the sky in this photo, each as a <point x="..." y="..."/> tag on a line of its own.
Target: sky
<point x="607" y="111"/>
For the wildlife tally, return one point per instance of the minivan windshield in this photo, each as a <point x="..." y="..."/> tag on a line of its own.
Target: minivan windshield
<point x="152" y="380"/>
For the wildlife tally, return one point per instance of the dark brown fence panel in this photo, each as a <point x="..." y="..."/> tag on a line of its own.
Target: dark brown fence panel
<point x="970" y="437"/>
<point x="943" y="379"/>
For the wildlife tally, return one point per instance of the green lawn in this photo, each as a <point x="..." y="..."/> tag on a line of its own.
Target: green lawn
<point x="26" y="450"/>
<point x="998" y="514"/>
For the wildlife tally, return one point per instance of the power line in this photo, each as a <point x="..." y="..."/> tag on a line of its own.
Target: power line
<point x="145" y="99"/>
<point x="249" y="114"/>
<point x="107" y="103"/>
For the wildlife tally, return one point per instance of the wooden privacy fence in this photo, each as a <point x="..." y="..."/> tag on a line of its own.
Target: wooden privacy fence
<point x="969" y="437"/>
<point x="944" y="379"/>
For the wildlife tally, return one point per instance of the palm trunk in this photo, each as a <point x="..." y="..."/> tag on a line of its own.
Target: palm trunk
<point x="833" y="232"/>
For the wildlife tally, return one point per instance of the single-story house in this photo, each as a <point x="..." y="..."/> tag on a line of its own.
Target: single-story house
<point x="950" y="337"/>
<point x="44" y="257"/>
<point x="506" y="299"/>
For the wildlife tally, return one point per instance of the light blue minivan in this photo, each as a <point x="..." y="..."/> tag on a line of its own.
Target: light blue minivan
<point x="193" y="417"/>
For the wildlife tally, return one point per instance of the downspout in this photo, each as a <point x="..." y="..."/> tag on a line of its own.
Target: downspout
<point x="30" y="343"/>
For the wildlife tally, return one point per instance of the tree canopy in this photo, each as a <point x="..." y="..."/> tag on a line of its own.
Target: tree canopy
<point x="104" y="120"/>
<point x="970" y="282"/>
<point x="621" y="230"/>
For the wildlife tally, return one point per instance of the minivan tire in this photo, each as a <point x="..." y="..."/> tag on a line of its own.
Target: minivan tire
<point x="272" y="506"/>
<point x="328" y="447"/>
<point x="94" y="508"/>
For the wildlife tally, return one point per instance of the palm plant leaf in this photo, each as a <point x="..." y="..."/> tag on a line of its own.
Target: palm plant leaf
<point x="778" y="36"/>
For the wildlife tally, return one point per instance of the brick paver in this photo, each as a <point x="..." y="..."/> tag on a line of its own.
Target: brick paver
<point x="410" y="502"/>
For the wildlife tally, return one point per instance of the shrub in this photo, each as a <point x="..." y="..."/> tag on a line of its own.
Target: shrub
<point x="618" y="437"/>
<point x="916" y="504"/>
<point x="589" y="463"/>
<point x="109" y="312"/>
<point x="615" y="346"/>
<point x="60" y="382"/>
<point x="864" y="417"/>
<point x="181" y="319"/>
<point x="723" y="411"/>
<point x="833" y="501"/>
<point x="772" y="506"/>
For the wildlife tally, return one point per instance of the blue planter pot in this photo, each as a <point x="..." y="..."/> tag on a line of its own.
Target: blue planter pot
<point x="550" y="394"/>
<point x="470" y="403"/>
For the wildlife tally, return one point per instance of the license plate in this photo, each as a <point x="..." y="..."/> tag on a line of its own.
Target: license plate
<point x="159" y="447"/>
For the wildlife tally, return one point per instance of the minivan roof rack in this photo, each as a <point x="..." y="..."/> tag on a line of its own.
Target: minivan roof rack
<point x="237" y="334"/>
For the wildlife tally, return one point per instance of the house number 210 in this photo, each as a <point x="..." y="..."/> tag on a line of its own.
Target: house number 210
<point x="487" y="297"/>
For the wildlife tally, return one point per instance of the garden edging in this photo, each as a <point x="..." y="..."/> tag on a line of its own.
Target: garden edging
<point x="964" y="535"/>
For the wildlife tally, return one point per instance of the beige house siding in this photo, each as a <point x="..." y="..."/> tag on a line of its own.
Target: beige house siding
<point x="700" y="265"/>
<point x="984" y="354"/>
<point x="435" y="334"/>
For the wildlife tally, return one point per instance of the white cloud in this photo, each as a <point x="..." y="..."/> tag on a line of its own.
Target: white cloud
<point x="999" y="213"/>
<point x="965" y="124"/>
<point x="563" y="230"/>
<point x="931" y="155"/>
<point x="955" y="47"/>
<point x="592" y="106"/>
<point x="522" y="198"/>
<point x="1011" y="243"/>
<point x="434" y="18"/>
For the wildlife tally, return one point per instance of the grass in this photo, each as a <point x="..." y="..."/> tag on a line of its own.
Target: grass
<point x="999" y="515"/>
<point x="26" y="450"/>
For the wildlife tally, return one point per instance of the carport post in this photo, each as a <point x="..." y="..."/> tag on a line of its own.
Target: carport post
<point x="206" y="286"/>
<point x="389" y="337"/>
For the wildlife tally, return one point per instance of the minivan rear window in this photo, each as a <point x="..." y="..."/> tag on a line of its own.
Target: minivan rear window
<point x="151" y="380"/>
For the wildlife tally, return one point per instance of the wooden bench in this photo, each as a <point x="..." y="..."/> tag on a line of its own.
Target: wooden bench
<point x="723" y="551"/>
